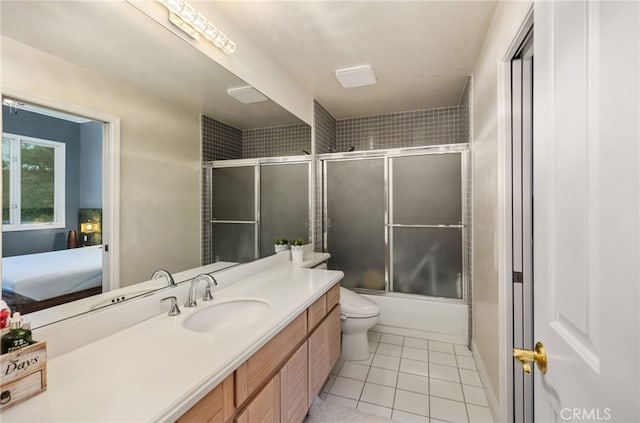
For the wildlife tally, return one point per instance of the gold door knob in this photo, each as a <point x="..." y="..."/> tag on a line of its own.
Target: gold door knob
<point x="526" y="357"/>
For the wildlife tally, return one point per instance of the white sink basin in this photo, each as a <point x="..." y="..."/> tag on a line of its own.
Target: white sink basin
<point x="227" y="314"/>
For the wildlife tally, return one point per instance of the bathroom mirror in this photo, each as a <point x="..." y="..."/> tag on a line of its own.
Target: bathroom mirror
<point x="111" y="58"/>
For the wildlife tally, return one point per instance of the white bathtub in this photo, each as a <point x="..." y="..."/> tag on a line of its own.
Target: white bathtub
<point x="422" y="318"/>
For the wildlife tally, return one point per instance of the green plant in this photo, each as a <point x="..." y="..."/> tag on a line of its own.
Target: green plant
<point x="281" y="241"/>
<point x="297" y="241"/>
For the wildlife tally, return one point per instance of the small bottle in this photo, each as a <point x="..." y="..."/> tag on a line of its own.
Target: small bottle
<point x="18" y="337"/>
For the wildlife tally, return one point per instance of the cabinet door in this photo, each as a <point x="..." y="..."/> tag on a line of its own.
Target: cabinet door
<point x="255" y="371"/>
<point x="216" y="406"/>
<point x="293" y="387"/>
<point x="324" y="351"/>
<point x="265" y="407"/>
<point x="333" y="338"/>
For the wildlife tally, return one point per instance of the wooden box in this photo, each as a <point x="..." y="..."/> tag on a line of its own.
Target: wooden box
<point x="23" y="374"/>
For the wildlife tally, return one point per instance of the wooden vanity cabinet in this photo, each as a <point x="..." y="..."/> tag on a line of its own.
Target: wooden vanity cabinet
<point x="294" y="387"/>
<point x="264" y="407"/>
<point x="269" y="359"/>
<point x="216" y="407"/>
<point x="324" y="351"/>
<point x="280" y="381"/>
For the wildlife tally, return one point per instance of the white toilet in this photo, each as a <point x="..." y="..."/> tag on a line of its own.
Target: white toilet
<point x="358" y="314"/>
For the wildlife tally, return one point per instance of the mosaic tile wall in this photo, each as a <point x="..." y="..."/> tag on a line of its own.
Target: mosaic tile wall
<point x="289" y="140"/>
<point x="220" y="141"/>
<point x="325" y="126"/>
<point x="443" y="125"/>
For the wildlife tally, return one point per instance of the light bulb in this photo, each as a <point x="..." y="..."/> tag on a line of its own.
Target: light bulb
<point x="200" y="23"/>
<point x="174" y="5"/>
<point x="188" y="13"/>
<point x="210" y="32"/>
<point x="220" y="40"/>
<point x="229" y="47"/>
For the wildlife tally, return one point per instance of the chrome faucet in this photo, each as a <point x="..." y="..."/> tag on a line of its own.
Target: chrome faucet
<point x="164" y="273"/>
<point x="210" y="280"/>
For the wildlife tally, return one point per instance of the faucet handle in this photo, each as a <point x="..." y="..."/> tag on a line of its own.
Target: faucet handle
<point x="207" y="289"/>
<point x="207" y="293"/>
<point x="174" y="310"/>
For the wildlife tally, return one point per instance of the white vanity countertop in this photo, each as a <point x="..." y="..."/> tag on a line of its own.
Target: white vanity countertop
<point x="156" y="370"/>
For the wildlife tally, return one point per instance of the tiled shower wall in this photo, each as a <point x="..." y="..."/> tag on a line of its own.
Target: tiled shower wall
<point x="224" y="142"/>
<point x="443" y="125"/>
<point x="220" y="141"/>
<point x="325" y="126"/>
<point x="289" y="140"/>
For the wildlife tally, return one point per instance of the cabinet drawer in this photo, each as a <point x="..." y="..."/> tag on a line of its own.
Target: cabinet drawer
<point x="264" y="363"/>
<point x="333" y="296"/>
<point x="316" y="312"/>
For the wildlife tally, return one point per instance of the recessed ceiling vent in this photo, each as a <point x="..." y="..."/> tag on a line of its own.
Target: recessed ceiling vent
<point x="356" y="77"/>
<point x="246" y="94"/>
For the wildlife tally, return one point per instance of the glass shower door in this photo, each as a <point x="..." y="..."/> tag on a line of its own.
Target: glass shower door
<point x="426" y="225"/>
<point x="354" y="220"/>
<point x="233" y="211"/>
<point x="284" y="203"/>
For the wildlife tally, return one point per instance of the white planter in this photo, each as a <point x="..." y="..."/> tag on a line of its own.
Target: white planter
<point x="297" y="252"/>
<point x="280" y="247"/>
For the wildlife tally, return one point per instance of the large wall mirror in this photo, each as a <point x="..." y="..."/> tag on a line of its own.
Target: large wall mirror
<point x="72" y="74"/>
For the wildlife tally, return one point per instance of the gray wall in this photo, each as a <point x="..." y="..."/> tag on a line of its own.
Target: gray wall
<point x="90" y="165"/>
<point x="45" y="127"/>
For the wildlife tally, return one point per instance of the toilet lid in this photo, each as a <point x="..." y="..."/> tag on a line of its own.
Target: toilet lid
<point x="355" y="305"/>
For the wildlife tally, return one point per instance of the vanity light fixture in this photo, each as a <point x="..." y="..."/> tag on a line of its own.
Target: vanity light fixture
<point x="194" y="24"/>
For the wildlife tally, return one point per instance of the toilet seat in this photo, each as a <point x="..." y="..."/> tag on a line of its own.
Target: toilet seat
<point x="353" y="305"/>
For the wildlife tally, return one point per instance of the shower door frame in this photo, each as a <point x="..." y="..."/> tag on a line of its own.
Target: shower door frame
<point x="386" y="155"/>
<point x="256" y="163"/>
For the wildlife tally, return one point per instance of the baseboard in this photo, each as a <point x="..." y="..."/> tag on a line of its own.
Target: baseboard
<point x="434" y="336"/>
<point x="486" y="383"/>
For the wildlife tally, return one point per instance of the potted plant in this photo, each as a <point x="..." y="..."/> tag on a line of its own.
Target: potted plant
<point x="281" y="244"/>
<point x="297" y="246"/>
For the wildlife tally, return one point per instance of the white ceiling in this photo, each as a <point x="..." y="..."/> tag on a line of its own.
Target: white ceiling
<point x="420" y="51"/>
<point x="116" y="39"/>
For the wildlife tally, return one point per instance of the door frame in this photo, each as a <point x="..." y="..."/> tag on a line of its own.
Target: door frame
<point x="110" y="176"/>
<point x="504" y="407"/>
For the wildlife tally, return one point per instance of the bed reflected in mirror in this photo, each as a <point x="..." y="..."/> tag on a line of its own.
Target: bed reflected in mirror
<point x="52" y="249"/>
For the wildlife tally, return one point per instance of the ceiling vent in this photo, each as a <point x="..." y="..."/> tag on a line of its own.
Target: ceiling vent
<point x="356" y="77"/>
<point x="246" y="94"/>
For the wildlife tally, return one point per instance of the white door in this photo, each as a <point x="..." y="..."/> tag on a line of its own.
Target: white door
<point x="587" y="210"/>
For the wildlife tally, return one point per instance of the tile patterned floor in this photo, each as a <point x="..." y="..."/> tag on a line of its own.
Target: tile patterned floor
<point x="411" y="380"/>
